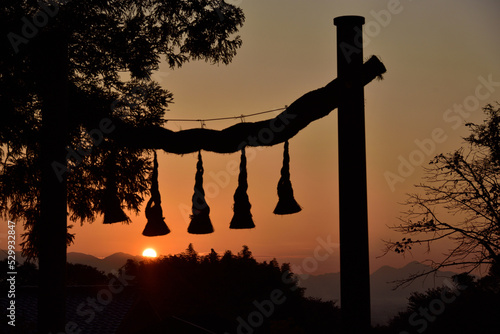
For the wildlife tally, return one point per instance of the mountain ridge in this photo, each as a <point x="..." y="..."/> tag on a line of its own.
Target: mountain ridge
<point x="386" y="301"/>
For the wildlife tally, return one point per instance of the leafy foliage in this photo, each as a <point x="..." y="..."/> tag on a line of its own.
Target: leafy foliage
<point x="469" y="305"/>
<point x="114" y="46"/>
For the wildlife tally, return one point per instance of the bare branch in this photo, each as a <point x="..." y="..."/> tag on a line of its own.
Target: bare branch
<point x="460" y="201"/>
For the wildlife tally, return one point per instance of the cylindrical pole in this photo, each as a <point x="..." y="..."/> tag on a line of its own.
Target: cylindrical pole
<point x="52" y="67"/>
<point x="354" y="260"/>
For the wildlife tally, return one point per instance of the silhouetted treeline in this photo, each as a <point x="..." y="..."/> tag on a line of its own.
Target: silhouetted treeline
<point x="76" y="274"/>
<point x="464" y="305"/>
<point x="224" y="294"/>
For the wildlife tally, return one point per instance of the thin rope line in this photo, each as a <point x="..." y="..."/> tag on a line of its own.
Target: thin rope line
<point x="222" y="118"/>
<point x="194" y="325"/>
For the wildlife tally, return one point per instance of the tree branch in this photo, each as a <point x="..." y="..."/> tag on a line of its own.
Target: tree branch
<point x="310" y="107"/>
<point x="435" y="267"/>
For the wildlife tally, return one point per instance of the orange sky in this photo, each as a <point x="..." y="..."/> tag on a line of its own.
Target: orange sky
<point x="437" y="53"/>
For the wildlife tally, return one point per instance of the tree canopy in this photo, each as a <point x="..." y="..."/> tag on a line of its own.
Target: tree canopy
<point x="113" y="47"/>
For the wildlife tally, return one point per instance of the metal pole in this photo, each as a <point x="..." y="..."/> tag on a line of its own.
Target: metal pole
<point x="354" y="259"/>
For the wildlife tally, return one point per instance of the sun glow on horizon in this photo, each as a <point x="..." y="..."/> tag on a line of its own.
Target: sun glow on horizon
<point x="149" y="252"/>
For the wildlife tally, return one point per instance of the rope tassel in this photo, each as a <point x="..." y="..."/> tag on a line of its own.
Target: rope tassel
<point x="242" y="217"/>
<point x="111" y="203"/>
<point x="113" y="212"/>
<point x="200" y="220"/>
<point x="286" y="203"/>
<point x="155" y="225"/>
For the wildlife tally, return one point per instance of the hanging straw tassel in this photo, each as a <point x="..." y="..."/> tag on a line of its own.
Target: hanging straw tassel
<point x="286" y="203"/>
<point x="242" y="217"/>
<point x="156" y="224"/>
<point x="111" y="204"/>
<point x="200" y="220"/>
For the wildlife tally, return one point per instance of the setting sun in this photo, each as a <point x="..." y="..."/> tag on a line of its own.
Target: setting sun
<point x="149" y="252"/>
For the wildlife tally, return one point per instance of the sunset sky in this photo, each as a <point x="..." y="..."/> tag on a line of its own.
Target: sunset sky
<point x="439" y="55"/>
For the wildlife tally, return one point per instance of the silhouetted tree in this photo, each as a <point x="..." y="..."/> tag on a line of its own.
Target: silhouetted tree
<point x="213" y="257"/>
<point x="190" y="254"/>
<point x="465" y="306"/>
<point x="460" y="201"/>
<point x="117" y="37"/>
<point x="81" y="274"/>
<point x="245" y="253"/>
<point x="65" y="69"/>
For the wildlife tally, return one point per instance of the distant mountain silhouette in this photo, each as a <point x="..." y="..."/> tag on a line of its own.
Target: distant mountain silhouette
<point x="109" y="263"/>
<point x="82" y="258"/>
<point x="112" y="262"/>
<point x="385" y="301"/>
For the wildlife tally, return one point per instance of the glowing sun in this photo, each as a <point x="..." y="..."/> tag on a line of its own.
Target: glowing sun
<point x="149" y="252"/>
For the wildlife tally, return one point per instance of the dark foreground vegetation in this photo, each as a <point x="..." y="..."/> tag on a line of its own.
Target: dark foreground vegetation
<point x="235" y="294"/>
<point x="464" y="305"/>
<point x="192" y="293"/>
<point x="226" y="294"/>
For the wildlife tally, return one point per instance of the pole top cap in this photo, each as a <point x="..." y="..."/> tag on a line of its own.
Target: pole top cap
<point x="351" y="20"/>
